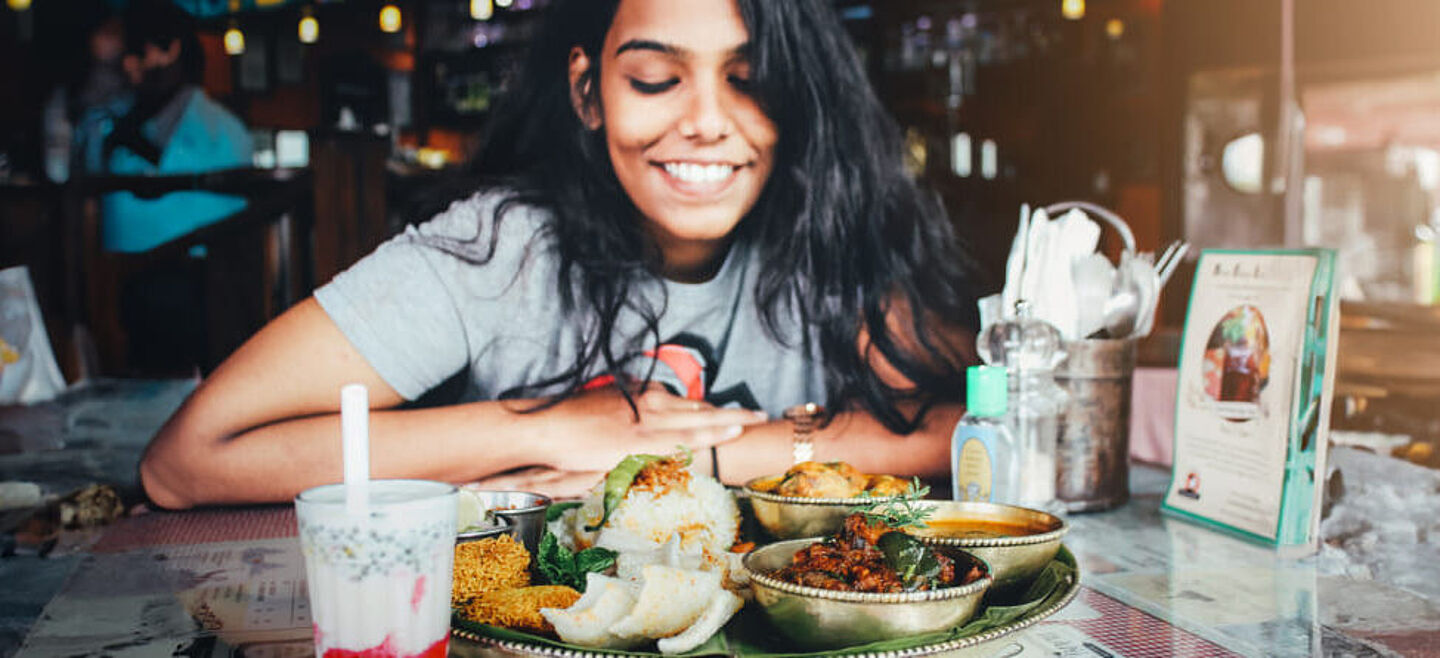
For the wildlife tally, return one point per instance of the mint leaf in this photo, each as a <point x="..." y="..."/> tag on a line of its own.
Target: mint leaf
<point x="594" y="559"/>
<point x="561" y="566"/>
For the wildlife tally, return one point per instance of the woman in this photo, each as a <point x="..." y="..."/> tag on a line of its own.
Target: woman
<point x="704" y="193"/>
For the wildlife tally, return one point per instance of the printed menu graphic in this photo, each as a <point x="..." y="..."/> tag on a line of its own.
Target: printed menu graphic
<point x="1256" y="372"/>
<point x="1237" y="363"/>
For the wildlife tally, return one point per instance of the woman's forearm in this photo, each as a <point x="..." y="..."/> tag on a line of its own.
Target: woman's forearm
<point x="273" y="462"/>
<point x="854" y="437"/>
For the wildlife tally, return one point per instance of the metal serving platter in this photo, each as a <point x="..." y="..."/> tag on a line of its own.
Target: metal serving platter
<point x="466" y="642"/>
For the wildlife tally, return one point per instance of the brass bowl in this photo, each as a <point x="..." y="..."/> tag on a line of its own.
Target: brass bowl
<point x="817" y="619"/>
<point x="793" y="517"/>
<point x="1014" y="561"/>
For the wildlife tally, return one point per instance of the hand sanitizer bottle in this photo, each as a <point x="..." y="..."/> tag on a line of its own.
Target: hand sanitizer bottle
<point x="983" y="463"/>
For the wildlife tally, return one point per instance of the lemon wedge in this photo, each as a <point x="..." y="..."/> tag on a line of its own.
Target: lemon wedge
<point x="469" y="512"/>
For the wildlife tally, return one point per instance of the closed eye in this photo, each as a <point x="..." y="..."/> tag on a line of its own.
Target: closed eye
<point x="653" y="87"/>
<point x="741" y="83"/>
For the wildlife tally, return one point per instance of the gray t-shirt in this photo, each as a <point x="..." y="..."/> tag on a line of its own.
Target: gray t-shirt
<point x="419" y="314"/>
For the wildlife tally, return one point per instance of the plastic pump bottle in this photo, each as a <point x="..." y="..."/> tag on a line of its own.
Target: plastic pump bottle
<point x="983" y="461"/>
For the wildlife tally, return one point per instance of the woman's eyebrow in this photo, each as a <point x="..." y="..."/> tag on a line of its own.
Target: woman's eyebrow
<point x="738" y="52"/>
<point x="646" y="44"/>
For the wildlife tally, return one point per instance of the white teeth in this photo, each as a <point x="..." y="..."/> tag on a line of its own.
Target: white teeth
<point x="698" y="173"/>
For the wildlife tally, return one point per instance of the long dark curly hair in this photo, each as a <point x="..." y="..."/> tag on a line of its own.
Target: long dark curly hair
<point x="844" y="232"/>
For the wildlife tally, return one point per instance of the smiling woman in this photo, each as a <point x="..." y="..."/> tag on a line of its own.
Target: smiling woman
<point x="691" y="215"/>
<point x="688" y="141"/>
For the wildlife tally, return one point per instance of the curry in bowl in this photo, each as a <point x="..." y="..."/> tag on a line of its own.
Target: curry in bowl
<point x="869" y="556"/>
<point x="1017" y="542"/>
<point x="869" y="582"/>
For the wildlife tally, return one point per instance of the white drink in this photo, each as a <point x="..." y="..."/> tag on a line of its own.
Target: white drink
<point x="380" y="583"/>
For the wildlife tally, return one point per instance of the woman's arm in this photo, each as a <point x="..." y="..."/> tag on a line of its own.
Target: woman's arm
<point x="854" y="437"/>
<point x="265" y="425"/>
<point x="765" y="449"/>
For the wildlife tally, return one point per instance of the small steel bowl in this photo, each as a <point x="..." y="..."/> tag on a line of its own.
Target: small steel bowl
<point x="1014" y="561"/>
<point x="817" y="619"/>
<point x="503" y="526"/>
<point x="793" y="517"/>
<point x="525" y="510"/>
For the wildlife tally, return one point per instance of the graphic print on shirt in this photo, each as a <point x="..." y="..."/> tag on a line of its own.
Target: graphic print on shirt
<point x="686" y="366"/>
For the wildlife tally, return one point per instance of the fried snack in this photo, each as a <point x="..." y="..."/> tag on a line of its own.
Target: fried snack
<point x="489" y="565"/>
<point x="830" y="480"/>
<point x="817" y="480"/>
<point x="887" y="485"/>
<point x="519" y="609"/>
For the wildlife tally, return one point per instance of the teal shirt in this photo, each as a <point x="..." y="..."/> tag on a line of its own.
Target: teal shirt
<point x="206" y="137"/>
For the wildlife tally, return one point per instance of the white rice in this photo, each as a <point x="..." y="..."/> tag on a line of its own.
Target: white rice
<point x="702" y="513"/>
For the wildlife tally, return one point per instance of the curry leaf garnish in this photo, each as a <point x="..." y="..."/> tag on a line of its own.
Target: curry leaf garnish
<point x="913" y="561"/>
<point x="902" y="511"/>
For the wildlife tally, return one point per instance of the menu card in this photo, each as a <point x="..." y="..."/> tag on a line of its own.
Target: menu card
<point x="1257" y="370"/>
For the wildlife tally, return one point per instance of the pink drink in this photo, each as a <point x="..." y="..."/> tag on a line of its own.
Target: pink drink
<point x="380" y="584"/>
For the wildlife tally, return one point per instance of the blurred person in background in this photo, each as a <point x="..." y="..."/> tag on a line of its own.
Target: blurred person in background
<point x="168" y="126"/>
<point x="100" y="93"/>
<point x="171" y="127"/>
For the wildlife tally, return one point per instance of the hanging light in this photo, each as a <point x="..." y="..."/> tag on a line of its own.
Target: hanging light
<point x="1073" y="9"/>
<point x="18" y="5"/>
<point x="1114" y="28"/>
<point x="482" y="10"/>
<point x="390" y="19"/>
<point x="503" y="3"/>
<point x="234" y="40"/>
<point x="309" y="28"/>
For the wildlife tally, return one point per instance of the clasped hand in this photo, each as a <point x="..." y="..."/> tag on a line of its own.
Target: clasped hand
<point x="587" y="434"/>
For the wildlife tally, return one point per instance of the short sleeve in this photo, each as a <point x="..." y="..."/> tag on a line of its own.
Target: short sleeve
<point x="399" y="314"/>
<point x="460" y="290"/>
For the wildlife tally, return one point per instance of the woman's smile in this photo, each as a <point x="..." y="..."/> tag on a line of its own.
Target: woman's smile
<point x="688" y="142"/>
<point x="699" y="179"/>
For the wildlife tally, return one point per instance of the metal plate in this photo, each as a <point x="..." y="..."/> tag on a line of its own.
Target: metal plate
<point x="466" y="643"/>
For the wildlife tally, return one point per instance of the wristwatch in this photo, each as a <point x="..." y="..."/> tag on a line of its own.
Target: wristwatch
<point x="803" y="418"/>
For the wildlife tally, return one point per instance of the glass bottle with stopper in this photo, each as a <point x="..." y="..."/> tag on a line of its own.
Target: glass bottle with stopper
<point x="1030" y="349"/>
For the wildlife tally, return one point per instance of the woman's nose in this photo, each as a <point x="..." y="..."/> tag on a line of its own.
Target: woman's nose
<point x="707" y="118"/>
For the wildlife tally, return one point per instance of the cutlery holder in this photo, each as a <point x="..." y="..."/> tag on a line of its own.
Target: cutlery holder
<point x="1093" y="450"/>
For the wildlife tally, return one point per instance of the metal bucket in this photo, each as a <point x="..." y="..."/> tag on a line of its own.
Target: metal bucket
<point x="1093" y="450"/>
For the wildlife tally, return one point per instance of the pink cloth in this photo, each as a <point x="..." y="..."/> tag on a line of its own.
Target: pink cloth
<point x="1152" y="415"/>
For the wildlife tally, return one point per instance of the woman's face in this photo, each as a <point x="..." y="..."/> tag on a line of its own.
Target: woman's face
<point x="689" y="144"/>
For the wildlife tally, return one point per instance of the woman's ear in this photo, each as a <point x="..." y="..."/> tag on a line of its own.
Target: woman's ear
<point x="581" y="94"/>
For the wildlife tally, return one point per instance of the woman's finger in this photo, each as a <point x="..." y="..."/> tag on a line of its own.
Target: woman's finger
<point x="571" y="484"/>
<point x="705" y="417"/>
<point x="658" y="398"/>
<point x="694" y="438"/>
<point x="549" y="481"/>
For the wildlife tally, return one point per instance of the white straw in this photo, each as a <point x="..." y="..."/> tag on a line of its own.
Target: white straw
<point x="355" y="434"/>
